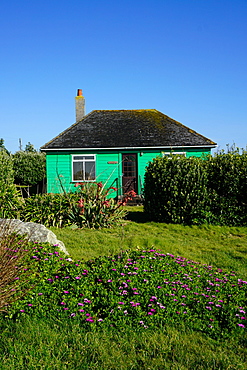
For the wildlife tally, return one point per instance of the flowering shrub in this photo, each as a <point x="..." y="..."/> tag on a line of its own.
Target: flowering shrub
<point x="94" y="208"/>
<point x="138" y="290"/>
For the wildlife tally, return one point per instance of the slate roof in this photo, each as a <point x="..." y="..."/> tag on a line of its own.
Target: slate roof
<point x="127" y="129"/>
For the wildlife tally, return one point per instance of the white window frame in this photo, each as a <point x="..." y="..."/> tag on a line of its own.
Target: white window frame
<point x="170" y="154"/>
<point x="84" y="160"/>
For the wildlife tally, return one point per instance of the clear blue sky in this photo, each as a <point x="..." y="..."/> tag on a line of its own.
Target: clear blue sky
<point x="186" y="58"/>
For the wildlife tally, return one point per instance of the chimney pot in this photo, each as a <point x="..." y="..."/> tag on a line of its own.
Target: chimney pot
<point x="79" y="92"/>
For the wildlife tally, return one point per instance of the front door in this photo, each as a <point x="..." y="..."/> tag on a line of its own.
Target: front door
<point x="129" y="181"/>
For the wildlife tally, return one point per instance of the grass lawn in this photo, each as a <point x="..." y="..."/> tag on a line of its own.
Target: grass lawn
<point x="52" y="344"/>
<point x="223" y="247"/>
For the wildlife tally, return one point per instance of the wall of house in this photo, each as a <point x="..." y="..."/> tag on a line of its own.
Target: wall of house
<point x="108" y="167"/>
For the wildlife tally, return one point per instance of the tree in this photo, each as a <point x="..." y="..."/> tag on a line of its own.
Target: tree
<point x="2" y="146"/>
<point x="29" y="148"/>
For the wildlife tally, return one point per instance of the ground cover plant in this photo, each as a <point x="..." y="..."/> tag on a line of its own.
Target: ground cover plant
<point x="140" y="289"/>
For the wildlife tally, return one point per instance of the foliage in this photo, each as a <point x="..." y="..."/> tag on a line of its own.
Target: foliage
<point x="138" y="290"/>
<point x="2" y="147"/>
<point x="175" y="189"/>
<point x="48" y="209"/>
<point x="89" y="207"/>
<point x="30" y="148"/>
<point x="11" y="201"/>
<point x="29" y="167"/>
<point x="6" y="165"/>
<point x="198" y="190"/>
<point x="95" y="209"/>
<point x="17" y="272"/>
<point x="227" y="186"/>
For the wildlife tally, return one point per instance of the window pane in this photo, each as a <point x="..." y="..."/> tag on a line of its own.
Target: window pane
<point x="90" y="171"/>
<point x="78" y="171"/>
<point x="83" y="157"/>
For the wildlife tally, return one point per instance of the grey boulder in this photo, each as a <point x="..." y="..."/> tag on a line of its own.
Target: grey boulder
<point x="34" y="232"/>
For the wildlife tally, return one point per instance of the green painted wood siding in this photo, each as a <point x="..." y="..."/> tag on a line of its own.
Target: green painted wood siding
<point x="108" y="168"/>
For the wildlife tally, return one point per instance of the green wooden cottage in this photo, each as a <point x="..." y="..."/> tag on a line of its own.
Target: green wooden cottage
<point x="115" y="146"/>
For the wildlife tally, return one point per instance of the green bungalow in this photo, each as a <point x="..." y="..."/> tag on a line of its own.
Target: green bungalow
<point x="115" y="146"/>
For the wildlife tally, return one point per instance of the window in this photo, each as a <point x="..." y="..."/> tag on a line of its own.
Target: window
<point x="182" y="154"/>
<point x="83" y="167"/>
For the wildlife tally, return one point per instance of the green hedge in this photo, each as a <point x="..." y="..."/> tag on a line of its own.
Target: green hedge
<point x="175" y="189"/>
<point x="6" y="165"/>
<point x="197" y="190"/>
<point x="10" y="198"/>
<point x="29" y="167"/>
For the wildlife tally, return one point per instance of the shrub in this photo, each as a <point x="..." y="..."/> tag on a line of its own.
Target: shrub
<point x="16" y="269"/>
<point x="175" y="190"/>
<point x="6" y="165"/>
<point x="87" y="207"/>
<point x="95" y="209"/>
<point x="11" y="201"/>
<point x="29" y="167"/>
<point x="48" y="209"/>
<point x="227" y="185"/>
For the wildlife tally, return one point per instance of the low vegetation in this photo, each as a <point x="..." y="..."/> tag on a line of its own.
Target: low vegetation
<point x="154" y="296"/>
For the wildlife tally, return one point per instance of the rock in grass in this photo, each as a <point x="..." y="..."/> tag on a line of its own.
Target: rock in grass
<point x="33" y="231"/>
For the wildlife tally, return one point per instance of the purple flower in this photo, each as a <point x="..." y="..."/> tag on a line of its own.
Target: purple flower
<point x="241" y="325"/>
<point x="90" y="319"/>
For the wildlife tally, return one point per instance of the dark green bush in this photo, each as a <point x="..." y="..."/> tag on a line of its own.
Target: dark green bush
<point x="198" y="190"/>
<point x="29" y="167"/>
<point x="227" y="186"/>
<point x="175" y="190"/>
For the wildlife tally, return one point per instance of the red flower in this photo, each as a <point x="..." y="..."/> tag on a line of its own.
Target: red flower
<point x="81" y="203"/>
<point x="100" y="185"/>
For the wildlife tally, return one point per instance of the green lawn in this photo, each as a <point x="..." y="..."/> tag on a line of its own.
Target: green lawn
<point x="223" y="247"/>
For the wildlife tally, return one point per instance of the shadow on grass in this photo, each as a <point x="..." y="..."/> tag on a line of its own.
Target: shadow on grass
<point x="137" y="216"/>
